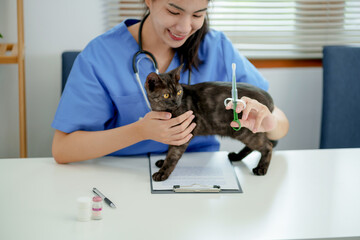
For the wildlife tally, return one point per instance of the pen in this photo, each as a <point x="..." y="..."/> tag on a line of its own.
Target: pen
<point x="110" y="203"/>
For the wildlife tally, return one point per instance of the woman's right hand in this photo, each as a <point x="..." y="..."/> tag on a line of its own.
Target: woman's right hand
<point x="160" y="127"/>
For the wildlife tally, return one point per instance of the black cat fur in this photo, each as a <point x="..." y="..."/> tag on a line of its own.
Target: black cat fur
<point x="211" y="118"/>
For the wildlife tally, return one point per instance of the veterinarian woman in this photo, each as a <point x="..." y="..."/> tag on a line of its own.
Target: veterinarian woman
<point x="103" y="110"/>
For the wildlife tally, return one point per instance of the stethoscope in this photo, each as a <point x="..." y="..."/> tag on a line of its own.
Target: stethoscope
<point x="135" y="64"/>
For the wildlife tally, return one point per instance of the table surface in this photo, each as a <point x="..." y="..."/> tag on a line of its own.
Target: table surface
<point x="306" y="194"/>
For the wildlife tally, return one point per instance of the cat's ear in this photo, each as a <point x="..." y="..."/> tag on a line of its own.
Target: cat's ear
<point x="152" y="81"/>
<point x="177" y="71"/>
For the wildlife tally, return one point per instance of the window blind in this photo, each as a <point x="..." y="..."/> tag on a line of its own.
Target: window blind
<point x="117" y="11"/>
<point x="271" y="29"/>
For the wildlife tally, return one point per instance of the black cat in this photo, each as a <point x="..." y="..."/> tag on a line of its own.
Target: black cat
<point x="206" y="101"/>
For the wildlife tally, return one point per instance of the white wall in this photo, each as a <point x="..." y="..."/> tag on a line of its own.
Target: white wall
<point x="53" y="26"/>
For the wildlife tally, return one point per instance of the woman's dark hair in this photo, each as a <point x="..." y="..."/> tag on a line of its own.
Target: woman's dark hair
<point x="188" y="52"/>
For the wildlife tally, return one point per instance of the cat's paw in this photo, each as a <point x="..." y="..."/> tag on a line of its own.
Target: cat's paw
<point x="159" y="163"/>
<point x="160" y="176"/>
<point x="260" y="171"/>
<point x="241" y="155"/>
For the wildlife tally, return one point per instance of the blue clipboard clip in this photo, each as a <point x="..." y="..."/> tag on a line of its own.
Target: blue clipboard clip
<point x="196" y="188"/>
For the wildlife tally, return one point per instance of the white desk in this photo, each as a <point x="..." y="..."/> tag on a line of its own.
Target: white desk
<point x="306" y="194"/>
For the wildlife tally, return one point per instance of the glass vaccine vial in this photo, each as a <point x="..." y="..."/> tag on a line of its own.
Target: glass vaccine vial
<point x="84" y="209"/>
<point x="97" y="208"/>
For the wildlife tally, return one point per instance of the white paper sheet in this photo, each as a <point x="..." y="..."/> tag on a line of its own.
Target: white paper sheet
<point x="202" y="168"/>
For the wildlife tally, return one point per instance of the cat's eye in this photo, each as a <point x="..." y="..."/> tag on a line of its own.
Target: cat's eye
<point x="179" y="92"/>
<point x="166" y="95"/>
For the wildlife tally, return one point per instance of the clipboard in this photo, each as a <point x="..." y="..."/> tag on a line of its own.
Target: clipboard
<point x="197" y="172"/>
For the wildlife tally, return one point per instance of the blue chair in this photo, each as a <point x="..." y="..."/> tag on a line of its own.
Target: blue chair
<point x="68" y="59"/>
<point x="340" y="126"/>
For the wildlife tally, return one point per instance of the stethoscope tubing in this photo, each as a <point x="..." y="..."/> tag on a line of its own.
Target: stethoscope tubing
<point x="135" y="65"/>
<point x="135" y="68"/>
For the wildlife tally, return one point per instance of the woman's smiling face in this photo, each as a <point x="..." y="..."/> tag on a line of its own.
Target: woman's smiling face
<point x="174" y="21"/>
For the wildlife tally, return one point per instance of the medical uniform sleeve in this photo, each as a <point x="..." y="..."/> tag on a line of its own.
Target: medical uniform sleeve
<point x="85" y="103"/>
<point x="245" y="71"/>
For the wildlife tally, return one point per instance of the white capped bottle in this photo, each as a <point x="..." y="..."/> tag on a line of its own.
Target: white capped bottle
<point x="84" y="209"/>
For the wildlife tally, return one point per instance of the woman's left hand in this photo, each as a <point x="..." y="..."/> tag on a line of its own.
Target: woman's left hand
<point x="256" y="116"/>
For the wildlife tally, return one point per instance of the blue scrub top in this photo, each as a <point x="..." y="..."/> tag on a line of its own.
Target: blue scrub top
<point x="102" y="92"/>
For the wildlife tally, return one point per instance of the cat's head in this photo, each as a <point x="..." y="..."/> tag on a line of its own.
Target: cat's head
<point x="164" y="91"/>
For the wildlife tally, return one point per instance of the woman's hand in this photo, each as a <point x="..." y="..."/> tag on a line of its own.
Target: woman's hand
<point x="256" y="116"/>
<point x="160" y="127"/>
